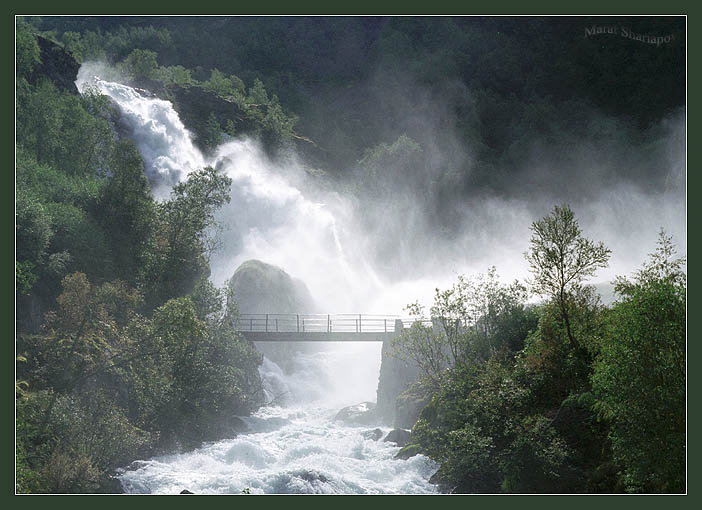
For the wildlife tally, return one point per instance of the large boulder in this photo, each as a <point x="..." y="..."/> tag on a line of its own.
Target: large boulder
<point x="265" y="288"/>
<point x="408" y="451"/>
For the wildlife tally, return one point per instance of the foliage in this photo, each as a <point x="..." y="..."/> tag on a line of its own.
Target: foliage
<point x="27" y="53"/>
<point x="177" y="75"/>
<point x="72" y="445"/>
<point x="73" y="134"/>
<point x="117" y="368"/>
<point x="210" y="136"/>
<point x="388" y="166"/>
<point x="186" y="232"/>
<point x="141" y="64"/>
<point x="639" y="378"/>
<point x="474" y="319"/>
<point x="225" y="87"/>
<point x="595" y="405"/>
<point x="127" y="211"/>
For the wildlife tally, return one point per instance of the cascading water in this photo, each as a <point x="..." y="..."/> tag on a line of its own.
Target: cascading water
<point x="298" y="448"/>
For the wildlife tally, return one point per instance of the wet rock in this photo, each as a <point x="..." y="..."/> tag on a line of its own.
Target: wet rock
<point x="374" y="434"/>
<point x="400" y="437"/>
<point x="438" y="479"/>
<point x="359" y="414"/>
<point x="408" y="451"/>
<point x="186" y="491"/>
<point x="238" y="425"/>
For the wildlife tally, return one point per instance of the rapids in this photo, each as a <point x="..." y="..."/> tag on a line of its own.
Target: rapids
<point x="297" y="448"/>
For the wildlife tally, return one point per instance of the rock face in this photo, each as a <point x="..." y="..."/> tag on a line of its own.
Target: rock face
<point x="194" y="105"/>
<point x="400" y="437"/>
<point x="56" y="64"/>
<point x="395" y="377"/>
<point x="359" y="414"/>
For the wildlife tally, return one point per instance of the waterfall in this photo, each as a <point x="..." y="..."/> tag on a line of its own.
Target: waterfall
<point x="298" y="448"/>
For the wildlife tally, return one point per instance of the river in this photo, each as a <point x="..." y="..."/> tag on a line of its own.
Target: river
<point x="296" y="448"/>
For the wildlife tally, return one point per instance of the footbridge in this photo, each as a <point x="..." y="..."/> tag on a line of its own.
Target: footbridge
<point x="320" y="327"/>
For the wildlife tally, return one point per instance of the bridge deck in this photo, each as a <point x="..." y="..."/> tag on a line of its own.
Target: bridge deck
<point x="316" y="336"/>
<point x="318" y="327"/>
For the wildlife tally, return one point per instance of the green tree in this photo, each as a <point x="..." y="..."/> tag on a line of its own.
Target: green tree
<point x="218" y="83"/>
<point x="639" y="377"/>
<point x="389" y="166"/>
<point x="177" y="75"/>
<point x="561" y="259"/>
<point x="257" y="94"/>
<point x="141" y="64"/>
<point x="469" y="322"/>
<point x="211" y="134"/>
<point x="127" y="211"/>
<point x="185" y="236"/>
<point x="73" y="44"/>
<point x="27" y="51"/>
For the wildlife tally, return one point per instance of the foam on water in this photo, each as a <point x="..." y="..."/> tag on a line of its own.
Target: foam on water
<point x="292" y="450"/>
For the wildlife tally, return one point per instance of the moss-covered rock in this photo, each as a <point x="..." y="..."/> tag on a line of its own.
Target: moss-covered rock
<point x="408" y="451"/>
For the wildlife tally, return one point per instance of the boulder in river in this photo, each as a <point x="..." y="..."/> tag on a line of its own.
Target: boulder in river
<point x="359" y="414"/>
<point x="261" y="288"/>
<point x="400" y="437"/>
<point x="373" y="434"/>
<point x="238" y="425"/>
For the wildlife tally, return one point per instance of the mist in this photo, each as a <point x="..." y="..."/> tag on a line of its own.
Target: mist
<point x="374" y="252"/>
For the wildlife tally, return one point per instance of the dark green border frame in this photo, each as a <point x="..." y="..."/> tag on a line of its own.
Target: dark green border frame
<point x="359" y="7"/>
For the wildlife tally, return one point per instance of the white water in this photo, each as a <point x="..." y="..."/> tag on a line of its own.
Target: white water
<point x="298" y="448"/>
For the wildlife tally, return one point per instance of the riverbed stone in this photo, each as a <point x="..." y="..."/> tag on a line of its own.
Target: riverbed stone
<point x="373" y="434"/>
<point x="400" y="437"/>
<point x="359" y="414"/>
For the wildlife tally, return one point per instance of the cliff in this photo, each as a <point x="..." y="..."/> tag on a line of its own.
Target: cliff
<point x="57" y="65"/>
<point x="396" y="377"/>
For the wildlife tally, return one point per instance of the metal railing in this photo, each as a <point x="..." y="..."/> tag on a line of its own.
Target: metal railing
<point x="316" y="323"/>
